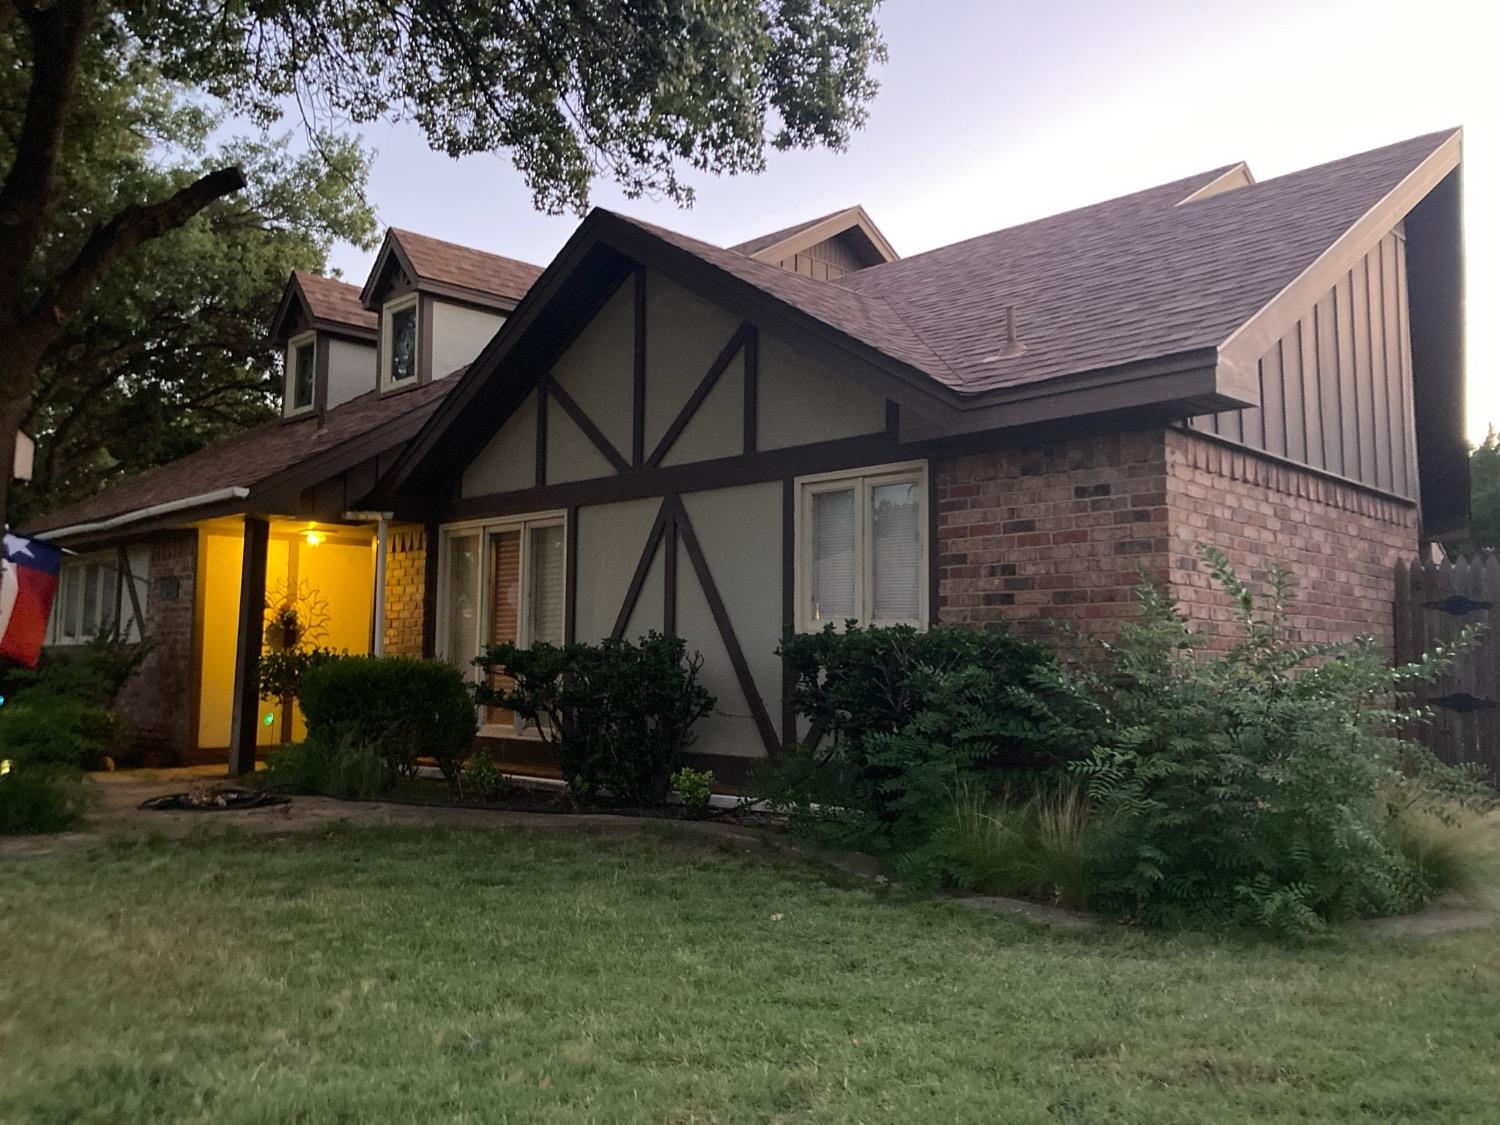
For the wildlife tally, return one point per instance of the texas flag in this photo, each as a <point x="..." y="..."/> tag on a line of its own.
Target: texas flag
<point x="28" y="580"/>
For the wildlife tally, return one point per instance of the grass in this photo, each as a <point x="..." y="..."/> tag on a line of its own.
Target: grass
<point x="446" y="976"/>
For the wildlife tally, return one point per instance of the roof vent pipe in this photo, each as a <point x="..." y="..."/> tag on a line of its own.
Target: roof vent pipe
<point x="1013" y="347"/>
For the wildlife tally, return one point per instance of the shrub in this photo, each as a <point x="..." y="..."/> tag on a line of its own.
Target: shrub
<point x="483" y="776"/>
<point x="900" y="720"/>
<point x="617" y="715"/>
<point x="401" y="708"/>
<point x="59" y="714"/>
<point x="38" y="797"/>
<point x="91" y="673"/>
<point x="1245" y="783"/>
<point x="282" y="671"/>
<point x="695" y="788"/>
<point x="347" y="769"/>
<point x="55" y="730"/>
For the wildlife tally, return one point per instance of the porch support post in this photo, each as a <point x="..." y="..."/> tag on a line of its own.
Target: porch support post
<point x="245" y="715"/>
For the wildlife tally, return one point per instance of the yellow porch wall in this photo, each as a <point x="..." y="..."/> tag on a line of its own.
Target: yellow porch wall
<point x="338" y="573"/>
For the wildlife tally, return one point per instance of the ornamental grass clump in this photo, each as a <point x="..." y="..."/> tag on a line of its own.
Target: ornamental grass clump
<point x="1252" y="787"/>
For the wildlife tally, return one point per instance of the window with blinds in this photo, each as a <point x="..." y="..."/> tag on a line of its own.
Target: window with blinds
<point x="863" y="544"/>
<point x="94" y="597"/>
<point x="503" y="582"/>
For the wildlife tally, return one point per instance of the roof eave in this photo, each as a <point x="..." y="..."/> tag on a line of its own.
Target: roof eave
<point x="1252" y="339"/>
<point x="1184" y="384"/>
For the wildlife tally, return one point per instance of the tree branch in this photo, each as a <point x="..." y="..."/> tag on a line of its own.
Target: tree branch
<point x="134" y="225"/>
<point x="57" y="43"/>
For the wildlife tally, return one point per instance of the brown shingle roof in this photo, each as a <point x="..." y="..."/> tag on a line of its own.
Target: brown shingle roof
<point x="1141" y="277"/>
<point x="245" y="459"/>
<point x="448" y="263"/>
<point x="333" y="300"/>
<point x="1136" y="278"/>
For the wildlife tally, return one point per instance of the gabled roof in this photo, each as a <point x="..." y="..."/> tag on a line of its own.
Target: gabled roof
<point x="255" y="460"/>
<point x="450" y="270"/>
<point x="1143" y="276"/>
<point x="1155" y="300"/>
<point x="851" y="221"/>
<point x="330" y="305"/>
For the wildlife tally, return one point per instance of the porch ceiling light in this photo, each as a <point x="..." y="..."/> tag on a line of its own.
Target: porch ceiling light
<point x="312" y="536"/>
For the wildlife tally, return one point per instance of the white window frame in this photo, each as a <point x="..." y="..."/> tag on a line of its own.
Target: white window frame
<point x="484" y="528"/>
<point x="108" y="583"/>
<point x="289" y="386"/>
<point x="388" y="313"/>
<point x="864" y="481"/>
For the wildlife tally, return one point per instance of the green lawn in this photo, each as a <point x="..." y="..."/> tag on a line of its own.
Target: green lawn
<point x="432" y="976"/>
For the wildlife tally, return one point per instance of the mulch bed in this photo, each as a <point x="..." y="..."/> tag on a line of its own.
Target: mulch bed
<point x="215" y="798"/>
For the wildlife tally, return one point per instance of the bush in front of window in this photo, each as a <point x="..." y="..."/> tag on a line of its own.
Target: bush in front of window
<point x="899" y="719"/>
<point x="401" y="707"/>
<point x="617" y="715"/>
<point x="56" y="723"/>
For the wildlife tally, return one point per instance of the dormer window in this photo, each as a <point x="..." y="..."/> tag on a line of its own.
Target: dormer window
<point x="398" y="332"/>
<point x="301" y="373"/>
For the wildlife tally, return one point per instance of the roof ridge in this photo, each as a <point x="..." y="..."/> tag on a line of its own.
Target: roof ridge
<point x="1207" y="176"/>
<point x="398" y="232"/>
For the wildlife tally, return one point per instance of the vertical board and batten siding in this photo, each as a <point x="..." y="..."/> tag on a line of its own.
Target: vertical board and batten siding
<point x="1435" y="601"/>
<point x="711" y="563"/>
<point x="1336" y="389"/>
<point x="824" y="261"/>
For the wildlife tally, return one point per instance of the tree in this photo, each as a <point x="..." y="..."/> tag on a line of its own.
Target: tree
<point x="170" y="351"/>
<point x="1484" y="494"/>
<point x="632" y="90"/>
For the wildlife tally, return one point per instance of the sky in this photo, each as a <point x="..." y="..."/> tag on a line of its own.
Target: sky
<point x="995" y="113"/>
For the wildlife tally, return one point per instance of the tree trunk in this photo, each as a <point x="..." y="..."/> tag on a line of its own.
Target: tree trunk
<point x="58" y="34"/>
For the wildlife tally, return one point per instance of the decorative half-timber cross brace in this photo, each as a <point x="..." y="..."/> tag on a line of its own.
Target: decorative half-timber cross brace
<point x="1434" y="601"/>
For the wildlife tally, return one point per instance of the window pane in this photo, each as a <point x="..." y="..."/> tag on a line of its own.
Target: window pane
<point x="463" y="593"/>
<point x="404" y="344"/>
<point x="302" y="376"/>
<point x="90" y="599"/>
<point x="896" y="544"/>
<point x="505" y="602"/>
<point x="545" y="575"/>
<point x="70" y="600"/>
<point x="833" y="555"/>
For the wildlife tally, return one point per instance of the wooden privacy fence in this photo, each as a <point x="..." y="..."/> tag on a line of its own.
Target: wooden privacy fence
<point x="1434" y="601"/>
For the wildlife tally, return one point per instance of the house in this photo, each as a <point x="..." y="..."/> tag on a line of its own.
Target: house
<point x="805" y="428"/>
<point x="270" y="519"/>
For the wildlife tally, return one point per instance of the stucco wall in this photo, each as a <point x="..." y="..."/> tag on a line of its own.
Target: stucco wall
<point x="459" y="333"/>
<point x="351" y="370"/>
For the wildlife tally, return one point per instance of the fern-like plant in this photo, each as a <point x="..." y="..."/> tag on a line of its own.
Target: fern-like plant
<point x="1246" y="781"/>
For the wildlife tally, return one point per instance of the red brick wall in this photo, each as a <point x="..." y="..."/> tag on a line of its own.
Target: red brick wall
<point x="405" y="578"/>
<point x="1062" y="532"/>
<point x="157" y="700"/>
<point x="1055" y="532"/>
<point x="1340" y="541"/>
